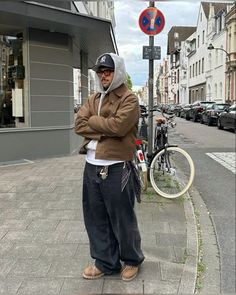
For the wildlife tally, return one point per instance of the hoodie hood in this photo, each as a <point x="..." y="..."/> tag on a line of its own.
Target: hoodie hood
<point x="119" y="74"/>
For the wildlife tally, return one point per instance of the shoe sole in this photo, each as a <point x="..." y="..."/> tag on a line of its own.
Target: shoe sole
<point x="92" y="277"/>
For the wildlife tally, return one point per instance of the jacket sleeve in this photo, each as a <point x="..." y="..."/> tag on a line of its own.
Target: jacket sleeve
<point x="119" y="125"/>
<point x="81" y="123"/>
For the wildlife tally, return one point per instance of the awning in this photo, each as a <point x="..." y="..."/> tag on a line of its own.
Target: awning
<point x="91" y="34"/>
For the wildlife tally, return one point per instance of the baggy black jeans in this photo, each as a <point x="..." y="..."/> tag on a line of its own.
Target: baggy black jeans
<point x="110" y="219"/>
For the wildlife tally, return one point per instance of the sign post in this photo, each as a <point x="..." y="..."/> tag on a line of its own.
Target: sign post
<point x="151" y="22"/>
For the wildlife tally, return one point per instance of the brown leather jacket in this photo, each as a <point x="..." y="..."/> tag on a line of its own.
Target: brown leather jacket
<point x="115" y="128"/>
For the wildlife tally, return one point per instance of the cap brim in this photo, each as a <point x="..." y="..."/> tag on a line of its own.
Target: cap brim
<point x="97" y="67"/>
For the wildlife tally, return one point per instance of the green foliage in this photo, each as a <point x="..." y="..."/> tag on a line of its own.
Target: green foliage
<point x="129" y="82"/>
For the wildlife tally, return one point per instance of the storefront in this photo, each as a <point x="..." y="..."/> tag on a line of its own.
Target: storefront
<point x="39" y="48"/>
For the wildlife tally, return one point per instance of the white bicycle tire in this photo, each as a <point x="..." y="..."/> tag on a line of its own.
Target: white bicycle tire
<point x="191" y="177"/>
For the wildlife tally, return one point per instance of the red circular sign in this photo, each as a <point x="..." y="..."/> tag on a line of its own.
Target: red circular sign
<point x="151" y="21"/>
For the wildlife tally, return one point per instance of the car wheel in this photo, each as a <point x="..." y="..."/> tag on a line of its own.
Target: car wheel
<point x="219" y="124"/>
<point x="209" y="123"/>
<point x="201" y="121"/>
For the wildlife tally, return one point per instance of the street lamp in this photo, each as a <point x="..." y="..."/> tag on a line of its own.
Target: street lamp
<point x="211" y="47"/>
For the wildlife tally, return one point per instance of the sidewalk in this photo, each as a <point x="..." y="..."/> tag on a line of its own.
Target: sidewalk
<point x="44" y="245"/>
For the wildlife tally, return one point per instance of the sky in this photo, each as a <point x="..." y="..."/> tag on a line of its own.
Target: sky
<point x="130" y="39"/>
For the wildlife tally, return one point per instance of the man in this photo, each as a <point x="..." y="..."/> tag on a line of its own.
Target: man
<point x="108" y="122"/>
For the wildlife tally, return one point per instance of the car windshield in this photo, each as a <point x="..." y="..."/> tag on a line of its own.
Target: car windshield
<point x="232" y="108"/>
<point x="222" y="106"/>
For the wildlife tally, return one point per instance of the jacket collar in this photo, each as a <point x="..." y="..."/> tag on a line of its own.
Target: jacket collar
<point x="114" y="94"/>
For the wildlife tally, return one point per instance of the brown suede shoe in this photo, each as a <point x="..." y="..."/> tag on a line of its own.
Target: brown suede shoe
<point x="129" y="272"/>
<point x="92" y="272"/>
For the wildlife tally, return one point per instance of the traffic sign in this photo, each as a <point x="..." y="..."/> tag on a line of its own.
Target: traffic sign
<point x="151" y="52"/>
<point x="151" y="21"/>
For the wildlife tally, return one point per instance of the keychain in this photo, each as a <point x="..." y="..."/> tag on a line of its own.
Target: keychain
<point x="104" y="172"/>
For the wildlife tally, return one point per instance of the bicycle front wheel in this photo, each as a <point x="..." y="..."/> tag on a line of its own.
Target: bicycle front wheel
<point x="171" y="172"/>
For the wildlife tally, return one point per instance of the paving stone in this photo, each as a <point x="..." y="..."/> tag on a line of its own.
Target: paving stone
<point x="6" y="266"/>
<point x="68" y="267"/>
<point x="59" y="251"/>
<point x="64" y="214"/>
<point x="4" y="249"/>
<point x="120" y="287"/>
<point x="30" y="268"/>
<point x="63" y="204"/>
<point x="155" y="253"/>
<point x="171" y="271"/>
<point x="40" y="286"/>
<point x="160" y="287"/>
<point x="43" y="225"/>
<point x="67" y="225"/>
<point x="81" y="286"/>
<point x="9" y="286"/>
<point x="49" y="237"/>
<point x="149" y="270"/>
<point x="18" y="236"/>
<point x="7" y="196"/>
<point x="13" y="213"/>
<point x="180" y="254"/>
<point x="77" y="237"/>
<point x="2" y="233"/>
<point x="170" y="239"/>
<point x="83" y="250"/>
<point x="10" y="224"/>
<point x="26" y="250"/>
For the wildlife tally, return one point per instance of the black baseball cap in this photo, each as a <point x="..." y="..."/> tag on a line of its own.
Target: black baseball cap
<point x="104" y="61"/>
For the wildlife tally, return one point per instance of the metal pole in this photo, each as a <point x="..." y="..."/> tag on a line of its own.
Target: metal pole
<point x="150" y="94"/>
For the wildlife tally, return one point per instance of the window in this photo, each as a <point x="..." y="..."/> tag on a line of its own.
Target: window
<point x="203" y="37"/>
<point x="198" y="41"/>
<point x="193" y="70"/>
<point x="203" y="65"/>
<point x="199" y="67"/>
<point x="190" y="73"/>
<point x="11" y="81"/>
<point x="201" y="16"/>
<point x="215" y="90"/>
<point x="216" y="58"/>
<point x="196" y="69"/>
<point x="176" y="35"/>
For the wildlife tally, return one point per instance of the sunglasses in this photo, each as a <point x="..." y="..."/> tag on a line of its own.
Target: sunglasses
<point x="105" y="72"/>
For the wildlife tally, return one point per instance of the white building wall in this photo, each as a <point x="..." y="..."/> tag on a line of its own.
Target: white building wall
<point x="183" y="85"/>
<point x="216" y="60"/>
<point x="197" y="58"/>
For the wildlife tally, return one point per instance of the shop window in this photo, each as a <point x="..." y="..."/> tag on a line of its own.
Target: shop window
<point x="12" y="74"/>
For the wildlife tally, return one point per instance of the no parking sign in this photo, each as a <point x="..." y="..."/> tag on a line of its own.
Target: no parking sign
<point x="151" y="21"/>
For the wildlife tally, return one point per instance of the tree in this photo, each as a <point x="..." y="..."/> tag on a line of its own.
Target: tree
<point x="129" y="82"/>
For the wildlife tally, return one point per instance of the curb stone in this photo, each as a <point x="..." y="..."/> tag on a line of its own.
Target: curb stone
<point x="189" y="276"/>
<point x="211" y="277"/>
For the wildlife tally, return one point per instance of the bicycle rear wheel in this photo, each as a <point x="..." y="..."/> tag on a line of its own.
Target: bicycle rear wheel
<point x="171" y="172"/>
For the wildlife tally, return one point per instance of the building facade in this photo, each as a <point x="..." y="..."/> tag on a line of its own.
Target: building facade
<point x="194" y="71"/>
<point x="230" y="20"/>
<point x="41" y="44"/>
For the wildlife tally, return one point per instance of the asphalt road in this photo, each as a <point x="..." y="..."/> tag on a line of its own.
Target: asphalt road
<point x="213" y="152"/>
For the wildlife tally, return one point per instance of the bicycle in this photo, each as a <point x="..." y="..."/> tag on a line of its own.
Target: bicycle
<point x="170" y="169"/>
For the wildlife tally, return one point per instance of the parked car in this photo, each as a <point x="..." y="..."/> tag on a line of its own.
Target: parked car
<point x="196" y="110"/>
<point x="227" y="119"/>
<point x="178" y="109"/>
<point x="211" y="113"/>
<point x="184" y="111"/>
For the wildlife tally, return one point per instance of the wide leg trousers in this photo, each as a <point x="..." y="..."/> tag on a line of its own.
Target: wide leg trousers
<point x="110" y="219"/>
